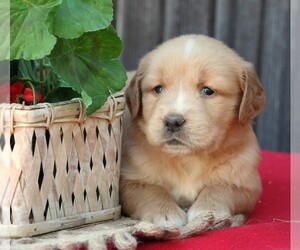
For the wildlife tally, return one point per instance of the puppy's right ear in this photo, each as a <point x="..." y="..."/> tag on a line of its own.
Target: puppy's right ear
<point x="134" y="95"/>
<point x="253" y="99"/>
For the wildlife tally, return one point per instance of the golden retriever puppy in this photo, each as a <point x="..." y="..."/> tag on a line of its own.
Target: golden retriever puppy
<point x="188" y="147"/>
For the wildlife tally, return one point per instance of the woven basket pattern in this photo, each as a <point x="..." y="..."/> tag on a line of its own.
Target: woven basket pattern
<point x="61" y="169"/>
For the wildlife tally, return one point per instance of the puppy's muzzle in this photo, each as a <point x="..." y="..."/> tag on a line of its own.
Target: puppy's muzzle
<point x="173" y="122"/>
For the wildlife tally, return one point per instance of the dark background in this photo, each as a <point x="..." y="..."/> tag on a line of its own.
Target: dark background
<point x="259" y="30"/>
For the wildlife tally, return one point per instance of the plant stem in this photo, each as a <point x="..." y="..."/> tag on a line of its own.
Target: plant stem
<point x="49" y="74"/>
<point x="41" y="70"/>
<point x="33" y="92"/>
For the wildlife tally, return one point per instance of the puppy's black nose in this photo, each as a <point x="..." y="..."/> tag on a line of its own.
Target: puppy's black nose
<point x="173" y="122"/>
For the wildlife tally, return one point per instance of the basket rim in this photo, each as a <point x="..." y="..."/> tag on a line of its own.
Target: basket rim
<point x="73" y="221"/>
<point x="45" y="114"/>
<point x="7" y="106"/>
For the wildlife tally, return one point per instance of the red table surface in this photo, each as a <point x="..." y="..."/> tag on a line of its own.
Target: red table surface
<point x="267" y="227"/>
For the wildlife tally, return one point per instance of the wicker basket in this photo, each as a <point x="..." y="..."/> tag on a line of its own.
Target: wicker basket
<point x="58" y="168"/>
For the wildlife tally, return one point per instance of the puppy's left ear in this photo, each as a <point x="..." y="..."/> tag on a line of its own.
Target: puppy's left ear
<point x="253" y="99"/>
<point x="134" y="95"/>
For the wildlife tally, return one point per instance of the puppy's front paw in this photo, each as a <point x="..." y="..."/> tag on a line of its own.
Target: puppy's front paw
<point x="166" y="215"/>
<point x="200" y="221"/>
<point x="197" y="224"/>
<point x="216" y="219"/>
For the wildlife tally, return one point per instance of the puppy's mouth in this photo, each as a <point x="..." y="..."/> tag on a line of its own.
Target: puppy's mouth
<point x="176" y="146"/>
<point x="175" y="142"/>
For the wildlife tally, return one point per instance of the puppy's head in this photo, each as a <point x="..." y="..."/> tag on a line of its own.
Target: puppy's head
<point x="190" y="91"/>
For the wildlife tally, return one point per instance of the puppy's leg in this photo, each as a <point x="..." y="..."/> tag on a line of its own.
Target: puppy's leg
<point x="222" y="202"/>
<point x="150" y="203"/>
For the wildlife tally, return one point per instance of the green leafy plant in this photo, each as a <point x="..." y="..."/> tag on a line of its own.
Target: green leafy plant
<point x="66" y="48"/>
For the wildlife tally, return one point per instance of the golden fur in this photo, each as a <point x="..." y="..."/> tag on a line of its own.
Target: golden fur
<point x="210" y="164"/>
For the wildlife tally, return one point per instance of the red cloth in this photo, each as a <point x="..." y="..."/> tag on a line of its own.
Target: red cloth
<point x="267" y="227"/>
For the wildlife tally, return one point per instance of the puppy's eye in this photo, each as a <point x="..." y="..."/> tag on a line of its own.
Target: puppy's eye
<point x="158" y="89"/>
<point x="207" y="91"/>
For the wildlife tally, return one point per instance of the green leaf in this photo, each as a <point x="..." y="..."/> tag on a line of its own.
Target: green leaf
<point x="82" y="58"/>
<point x="87" y="100"/>
<point x="110" y="79"/>
<point x="4" y="30"/>
<point x="61" y="94"/>
<point x="29" y="34"/>
<point x="50" y="19"/>
<point x="75" y="17"/>
<point x="61" y="83"/>
<point x="89" y="65"/>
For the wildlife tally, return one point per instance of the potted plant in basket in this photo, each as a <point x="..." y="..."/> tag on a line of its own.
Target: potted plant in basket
<point x="66" y="47"/>
<point x="55" y="157"/>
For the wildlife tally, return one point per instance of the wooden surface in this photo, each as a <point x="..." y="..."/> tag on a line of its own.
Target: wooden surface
<point x="257" y="29"/>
